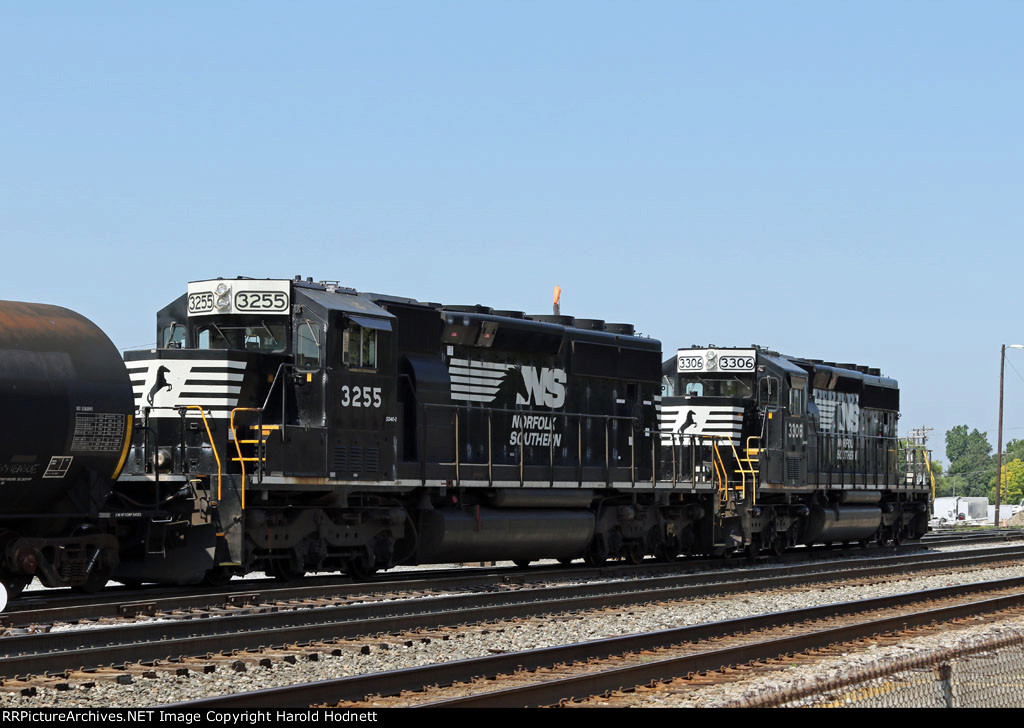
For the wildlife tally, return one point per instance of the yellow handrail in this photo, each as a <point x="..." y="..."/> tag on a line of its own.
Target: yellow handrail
<point x="743" y="473"/>
<point x="928" y="462"/>
<point x="216" y="455"/>
<point x="754" y="473"/>
<point x="723" y="477"/>
<point x="238" y="445"/>
<point x="714" y="464"/>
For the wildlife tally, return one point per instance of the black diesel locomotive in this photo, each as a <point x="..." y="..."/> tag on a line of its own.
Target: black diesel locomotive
<point x="291" y="426"/>
<point x="288" y="426"/>
<point x="805" y="451"/>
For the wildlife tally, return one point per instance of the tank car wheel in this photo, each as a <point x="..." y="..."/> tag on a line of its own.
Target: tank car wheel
<point x="98" y="579"/>
<point x="522" y="563"/>
<point x="15" y="585"/>
<point x="897" y="536"/>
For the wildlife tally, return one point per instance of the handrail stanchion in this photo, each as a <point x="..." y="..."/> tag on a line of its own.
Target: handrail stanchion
<point x="216" y="455"/>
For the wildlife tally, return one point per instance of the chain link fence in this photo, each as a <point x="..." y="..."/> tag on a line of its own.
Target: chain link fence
<point x="980" y="673"/>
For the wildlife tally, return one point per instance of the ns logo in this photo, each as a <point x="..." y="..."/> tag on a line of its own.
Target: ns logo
<point x="847" y="418"/>
<point x="542" y="386"/>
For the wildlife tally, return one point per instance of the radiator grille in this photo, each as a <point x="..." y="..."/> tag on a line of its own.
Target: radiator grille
<point x="349" y="461"/>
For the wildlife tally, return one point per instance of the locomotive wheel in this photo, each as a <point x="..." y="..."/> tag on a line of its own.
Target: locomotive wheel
<point x="753" y="548"/>
<point x="634" y="554"/>
<point x="779" y="545"/>
<point x="217" y="576"/>
<point x="665" y="552"/>
<point x="285" y="572"/>
<point x="597" y="552"/>
<point x="360" y="568"/>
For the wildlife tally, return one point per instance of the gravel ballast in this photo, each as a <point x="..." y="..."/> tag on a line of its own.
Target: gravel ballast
<point x="413" y="650"/>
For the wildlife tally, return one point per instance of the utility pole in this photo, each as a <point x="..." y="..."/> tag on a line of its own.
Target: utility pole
<point x="917" y="442"/>
<point x="999" y="461"/>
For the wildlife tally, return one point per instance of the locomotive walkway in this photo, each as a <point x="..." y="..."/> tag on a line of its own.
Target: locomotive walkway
<point x="281" y="624"/>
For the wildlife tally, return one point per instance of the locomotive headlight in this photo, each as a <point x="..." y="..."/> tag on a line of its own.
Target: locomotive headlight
<point x="223" y="293"/>
<point x="164" y="459"/>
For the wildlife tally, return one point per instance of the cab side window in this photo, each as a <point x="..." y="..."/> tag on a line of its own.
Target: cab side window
<point x="797" y="389"/>
<point x="307" y="346"/>
<point x="172" y="336"/>
<point x="359" y="347"/>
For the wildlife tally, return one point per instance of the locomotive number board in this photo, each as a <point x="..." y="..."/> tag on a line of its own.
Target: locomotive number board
<point x="716" y="360"/>
<point x="207" y="298"/>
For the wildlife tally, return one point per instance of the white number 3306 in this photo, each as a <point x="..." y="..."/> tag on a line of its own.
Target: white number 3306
<point x="360" y="396"/>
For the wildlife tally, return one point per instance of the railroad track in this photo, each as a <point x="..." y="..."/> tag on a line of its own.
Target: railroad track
<point x="554" y="675"/>
<point x="61" y="606"/>
<point x="277" y="626"/>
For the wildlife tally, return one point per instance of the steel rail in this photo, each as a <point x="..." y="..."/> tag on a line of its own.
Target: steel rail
<point x="160" y="640"/>
<point x="578" y="687"/>
<point x="358" y="687"/>
<point x="59" y="606"/>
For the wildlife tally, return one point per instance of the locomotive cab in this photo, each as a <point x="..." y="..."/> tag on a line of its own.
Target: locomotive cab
<point x="259" y="387"/>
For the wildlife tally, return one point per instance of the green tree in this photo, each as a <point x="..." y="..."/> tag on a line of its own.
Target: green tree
<point x="970" y="461"/>
<point x="1013" y="483"/>
<point x="1013" y="450"/>
<point x="943" y="483"/>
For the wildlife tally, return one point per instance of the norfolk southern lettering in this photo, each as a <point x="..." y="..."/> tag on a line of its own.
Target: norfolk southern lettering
<point x="531" y="430"/>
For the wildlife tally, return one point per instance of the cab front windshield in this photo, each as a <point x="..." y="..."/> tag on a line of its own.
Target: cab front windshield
<point x="715" y="386"/>
<point x="242" y="333"/>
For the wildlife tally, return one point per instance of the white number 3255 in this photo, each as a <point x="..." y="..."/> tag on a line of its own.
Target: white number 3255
<point x="360" y="396"/>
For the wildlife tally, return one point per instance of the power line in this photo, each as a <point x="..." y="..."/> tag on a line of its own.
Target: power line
<point x="1015" y="370"/>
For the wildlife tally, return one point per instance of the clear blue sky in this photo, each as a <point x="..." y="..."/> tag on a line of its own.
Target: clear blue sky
<point x="835" y="180"/>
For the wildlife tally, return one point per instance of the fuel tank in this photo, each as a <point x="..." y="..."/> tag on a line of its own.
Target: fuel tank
<point x="842" y="523"/>
<point x="491" y="534"/>
<point x="66" y="406"/>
